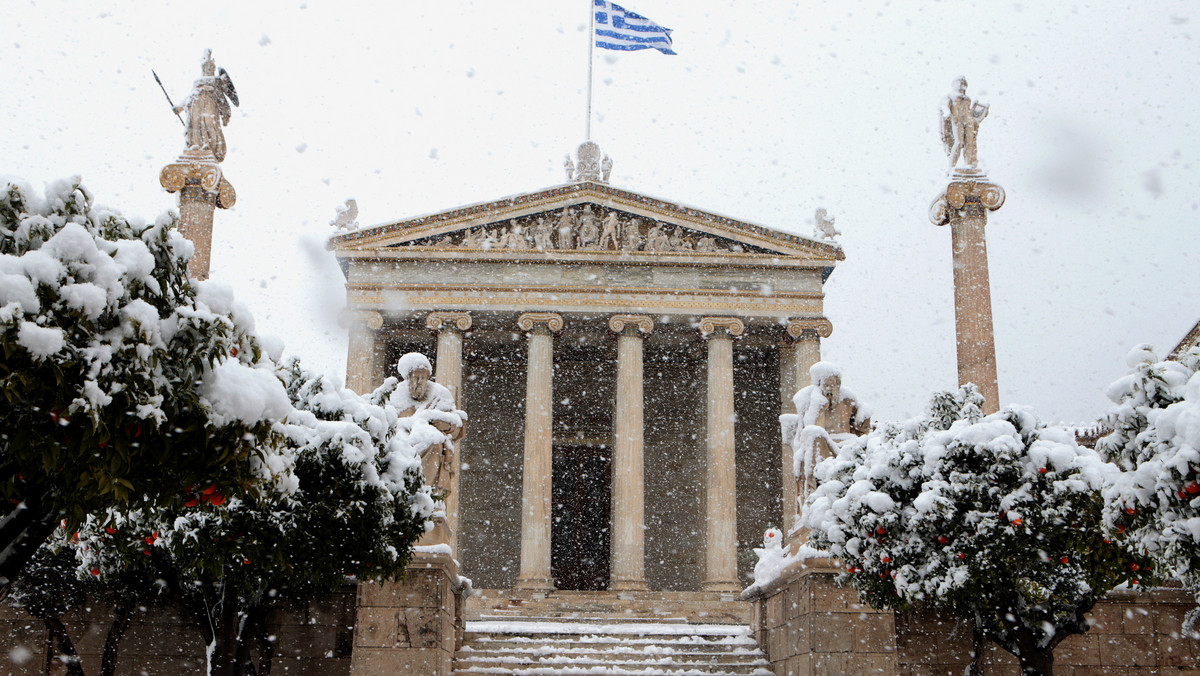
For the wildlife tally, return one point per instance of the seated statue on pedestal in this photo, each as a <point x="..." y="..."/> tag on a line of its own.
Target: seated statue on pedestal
<point x="418" y="396"/>
<point x="826" y="413"/>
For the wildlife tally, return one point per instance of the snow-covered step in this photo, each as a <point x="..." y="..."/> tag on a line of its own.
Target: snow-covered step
<point x="593" y="645"/>
<point x="568" y="616"/>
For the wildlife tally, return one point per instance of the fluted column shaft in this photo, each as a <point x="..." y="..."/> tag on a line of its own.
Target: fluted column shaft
<point x="363" y="356"/>
<point x="720" y="571"/>
<point x="975" y="340"/>
<point x="450" y="327"/>
<point x="539" y="449"/>
<point x="964" y="206"/>
<point x="628" y="478"/>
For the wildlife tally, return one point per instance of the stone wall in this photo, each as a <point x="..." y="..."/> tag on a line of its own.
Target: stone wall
<point x="808" y="626"/>
<point x="164" y="640"/>
<point x="410" y="627"/>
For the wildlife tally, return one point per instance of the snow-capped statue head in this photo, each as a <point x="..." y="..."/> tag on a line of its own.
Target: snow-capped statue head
<point x="827" y="377"/>
<point x="414" y="369"/>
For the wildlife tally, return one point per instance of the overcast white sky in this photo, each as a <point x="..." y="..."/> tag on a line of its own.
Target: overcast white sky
<point x="770" y="110"/>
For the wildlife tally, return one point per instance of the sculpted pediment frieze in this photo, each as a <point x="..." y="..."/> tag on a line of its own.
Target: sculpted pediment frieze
<point x="586" y="227"/>
<point x="586" y="217"/>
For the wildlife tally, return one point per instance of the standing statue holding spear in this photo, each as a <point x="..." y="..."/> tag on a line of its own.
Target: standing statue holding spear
<point x="207" y="108"/>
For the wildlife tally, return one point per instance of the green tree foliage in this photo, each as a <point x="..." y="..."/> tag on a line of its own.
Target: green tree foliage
<point x="996" y="518"/>
<point x="356" y="507"/>
<point x="112" y="370"/>
<point x="1154" y="502"/>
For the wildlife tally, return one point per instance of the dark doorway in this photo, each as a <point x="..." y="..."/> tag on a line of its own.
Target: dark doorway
<point x="579" y="540"/>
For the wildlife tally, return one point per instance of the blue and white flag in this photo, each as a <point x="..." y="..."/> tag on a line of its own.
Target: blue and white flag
<point x="623" y="30"/>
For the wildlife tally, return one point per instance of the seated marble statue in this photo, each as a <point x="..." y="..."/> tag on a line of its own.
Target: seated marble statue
<point x="418" y="396"/>
<point x="826" y="413"/>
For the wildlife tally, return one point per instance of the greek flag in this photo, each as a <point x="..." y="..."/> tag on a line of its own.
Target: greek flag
<point x="623" y="30"/>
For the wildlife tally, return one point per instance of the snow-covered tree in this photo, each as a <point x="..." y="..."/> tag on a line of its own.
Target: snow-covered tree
<point x="995" y="518"/>
<point x="357" y="507"/>
<point x="1155" y="439"/>
<point x="123" y="380"/>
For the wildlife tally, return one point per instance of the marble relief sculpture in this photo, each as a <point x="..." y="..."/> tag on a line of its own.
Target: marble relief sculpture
<point x="581" y="230"/>
<point x="566" y="230"/>
<point x="543" y="235"/>
<point x="632" y="235"/>
<point x="588" y="233"/>
<point x="610" y="237"/>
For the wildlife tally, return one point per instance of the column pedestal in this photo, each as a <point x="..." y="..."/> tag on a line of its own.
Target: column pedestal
<point x="539" y="448"/>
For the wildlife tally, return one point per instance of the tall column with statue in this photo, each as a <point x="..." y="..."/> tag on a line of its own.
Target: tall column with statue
<point x="964" y="205"/>
<point x="197" y="174"/>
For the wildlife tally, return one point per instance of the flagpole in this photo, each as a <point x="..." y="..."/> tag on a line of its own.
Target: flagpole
<point x="587" y="129"/>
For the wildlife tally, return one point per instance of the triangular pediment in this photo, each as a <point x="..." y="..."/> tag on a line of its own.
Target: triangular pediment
<point x="584" y="217"/>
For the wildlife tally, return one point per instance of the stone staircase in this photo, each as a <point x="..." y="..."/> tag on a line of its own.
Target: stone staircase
<point x="631" y="634"/>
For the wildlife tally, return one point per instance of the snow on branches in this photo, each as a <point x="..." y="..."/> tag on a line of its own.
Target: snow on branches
<point x="1155" y="439"/>
<point x="124" y="381"/>
<point x="995" y="517"/>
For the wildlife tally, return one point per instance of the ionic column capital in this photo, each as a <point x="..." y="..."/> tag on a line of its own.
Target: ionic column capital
<point x="540" y="322"/>
<point x="809" y="328"/>
<point x="630" y="325"/>
<point x="966" y="197"/>
<point x="370" y="318"/>
<point x="721" y="327"/>
<point x="448" y="321"/>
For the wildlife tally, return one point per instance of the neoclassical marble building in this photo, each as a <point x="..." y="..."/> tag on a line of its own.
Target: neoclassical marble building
<point x="624" y="360"/>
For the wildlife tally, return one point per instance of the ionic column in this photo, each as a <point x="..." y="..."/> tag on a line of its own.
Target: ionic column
<point x="364" y="355"/>
<point x="720" y="571"/>
<point x="964" y="206"/>
<point x="449" y="327"/>
<point x="800" y="350"/>
<point x="202" y="188"/>
<point x="539" y="449"/>
<point x="627" y="571"/>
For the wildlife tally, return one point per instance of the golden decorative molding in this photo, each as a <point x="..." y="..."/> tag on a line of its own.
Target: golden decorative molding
<point x="721" y="327"/>
<point x="449" y="321"/>
<point x="371" y="318"/>
<point x="809" y="328"/>
<point x="530" y="289"/>
<point x="636" y="323"/>
<point x="534" y="320"/>
<point x="515" y="301"/>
